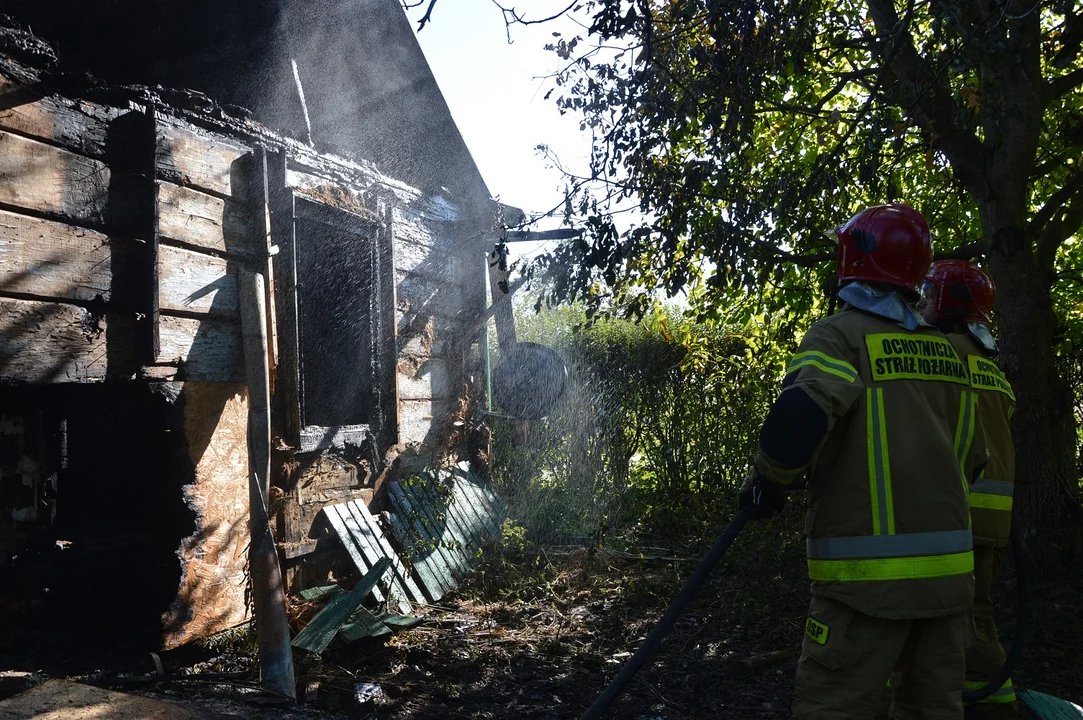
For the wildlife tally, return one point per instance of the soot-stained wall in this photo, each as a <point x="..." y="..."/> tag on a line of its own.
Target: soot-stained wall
<point x="368" y="88"/>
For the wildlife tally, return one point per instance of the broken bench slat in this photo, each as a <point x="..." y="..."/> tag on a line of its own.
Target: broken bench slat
<point x="318" y="634"/>
<point x="371" y="534"/>
<point x="424" y="525"/>
<point x="426" y="501"/>
<point x="426" y="576"/>
<point x="362" y="624"/>
<point x="397" y="566"/>
<point x="338" y="524"/>
<point x="456" y="525"/>
<point x="371" y="551"/>
<point x="321" y="592"/>
<point x="417" y="543"/>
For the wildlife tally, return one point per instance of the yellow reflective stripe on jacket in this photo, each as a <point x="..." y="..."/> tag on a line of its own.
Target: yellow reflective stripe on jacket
<point x="781" y="475"/>
<point x="883" y="507"/>
<point x="1005" y="694"/>
<point x="964" y="433"/>
<point x="992" y="494"/>
<point x="823" y="361"/>
<point x="906" y="568"/>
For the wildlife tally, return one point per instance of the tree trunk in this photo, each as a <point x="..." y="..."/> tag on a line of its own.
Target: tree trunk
<point x="1043" y="428"/>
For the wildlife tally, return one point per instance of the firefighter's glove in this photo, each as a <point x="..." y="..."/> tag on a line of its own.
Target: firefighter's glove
<point x="766" y="497"/>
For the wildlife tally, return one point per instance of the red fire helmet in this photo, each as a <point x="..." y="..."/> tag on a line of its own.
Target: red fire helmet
<point x="964" y="292"/>
<point x="887" y="244"/>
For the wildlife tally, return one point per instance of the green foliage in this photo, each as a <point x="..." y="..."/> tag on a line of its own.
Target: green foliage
<point x="746" y="130"/>
<point x="657" y="426"/>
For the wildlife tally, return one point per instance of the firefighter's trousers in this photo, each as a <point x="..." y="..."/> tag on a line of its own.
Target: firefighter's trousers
<point x="985" y="656"/>
<point x="847" y="659"/>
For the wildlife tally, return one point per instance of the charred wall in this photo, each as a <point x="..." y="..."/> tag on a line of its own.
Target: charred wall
<point x="367" y="85"/>
<point x="123" y="226"/>
<point x="97" y="564"/>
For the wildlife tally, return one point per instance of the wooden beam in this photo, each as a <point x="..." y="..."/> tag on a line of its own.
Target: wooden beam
<point x="387" y="336"/>
<point x="280" y="202"/>
<point x="193" y="282"/>
<point x="58" y="261"/>
<point x="48" y="180"/>
<point x="204" y="221"/>
<point x="77" y="125"/>
<point x="50" y="342"/>
<point x="268" y="591"/>
<point x="209" y="349"/>
<point x="197" y="158"/>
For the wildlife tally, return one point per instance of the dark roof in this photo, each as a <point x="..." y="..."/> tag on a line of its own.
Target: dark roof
<point x="369" y="91"/>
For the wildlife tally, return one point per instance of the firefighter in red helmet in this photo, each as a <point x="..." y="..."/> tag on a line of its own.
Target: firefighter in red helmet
<point x="878" y="412"/>
<point x="957" y="296"/>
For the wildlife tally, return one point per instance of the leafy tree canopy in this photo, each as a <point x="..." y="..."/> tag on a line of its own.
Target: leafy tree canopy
<point x="748" y="129"/>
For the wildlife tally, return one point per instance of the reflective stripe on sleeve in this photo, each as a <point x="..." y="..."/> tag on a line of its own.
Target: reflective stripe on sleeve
<point x="883" y="507"/>
<point x="964" y="433"/>
<point x="781" y="475"/>
<point x="904" y="568"/>
<point x="824" y="362"/>
<point x="992" y="494"/>
<point x="1005" y="694"/>
<point x="890" y="546"/>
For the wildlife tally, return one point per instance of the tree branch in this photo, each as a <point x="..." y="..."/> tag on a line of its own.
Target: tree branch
<point x="1064" y="84"/>
<point x="1050" y="230"/>
<point x="963" y="149"/>
<point x="516" y="18"/>
<point x="426" y="17"/>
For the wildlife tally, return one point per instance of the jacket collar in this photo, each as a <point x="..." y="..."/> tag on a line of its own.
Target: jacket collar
<point x="983" y="336"/>
<point x="887" y="305"/>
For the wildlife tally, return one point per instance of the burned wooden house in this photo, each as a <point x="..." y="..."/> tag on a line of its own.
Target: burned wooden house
<point x="183" y="280"/>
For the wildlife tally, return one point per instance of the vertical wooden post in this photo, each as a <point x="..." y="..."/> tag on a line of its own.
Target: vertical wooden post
<point x="503" y="312"/>
<point x="268" y="591"/>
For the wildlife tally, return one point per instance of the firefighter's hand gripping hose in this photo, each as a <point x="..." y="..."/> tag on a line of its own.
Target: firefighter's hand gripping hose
<point x="1022" y="625"/>
<point x="691" y="587"/>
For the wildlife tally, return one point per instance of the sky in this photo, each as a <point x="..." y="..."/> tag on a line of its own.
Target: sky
<point x="495" y="91"/>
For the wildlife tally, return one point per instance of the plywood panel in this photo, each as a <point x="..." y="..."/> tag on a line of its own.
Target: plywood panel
<point x="209" y="349"/>
<point x="211" y="596"/>
<point x="198" y="159"/>
<point x="195" y="218"/>
<point x="47" y="179"/>
<point x="50" y="342"/>
<point x="194" y="282"/>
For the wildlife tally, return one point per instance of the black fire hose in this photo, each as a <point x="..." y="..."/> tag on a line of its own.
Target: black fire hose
<point x="1022" y="625"/>
<point x="691" y="587"/>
